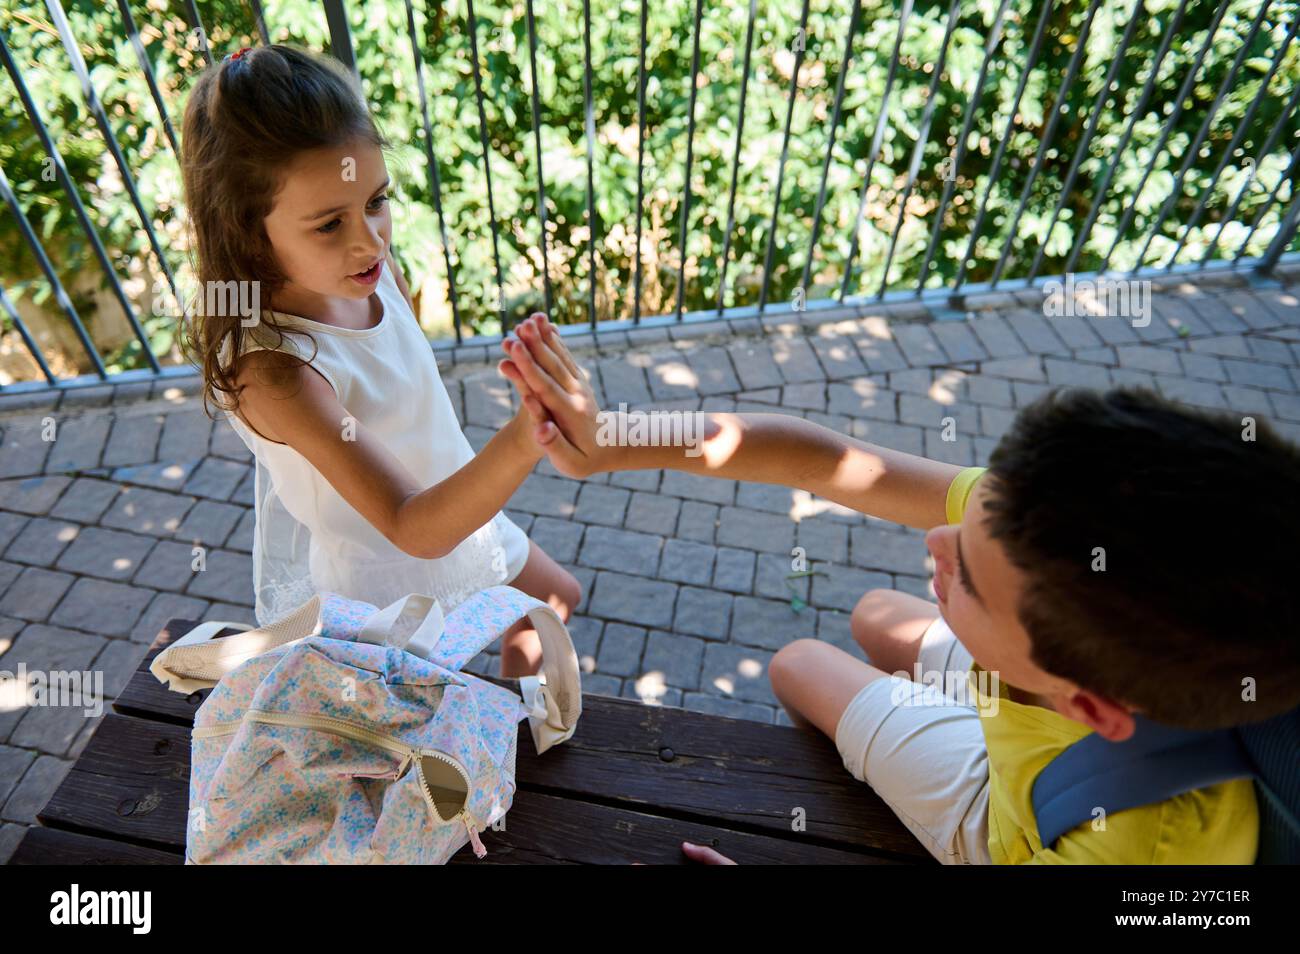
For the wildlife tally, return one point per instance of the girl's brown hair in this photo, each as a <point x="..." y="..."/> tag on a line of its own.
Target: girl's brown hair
<point x="246" y="119"/>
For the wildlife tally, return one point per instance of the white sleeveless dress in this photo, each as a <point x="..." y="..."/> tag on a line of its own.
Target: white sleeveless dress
<point x="307" y="538"/>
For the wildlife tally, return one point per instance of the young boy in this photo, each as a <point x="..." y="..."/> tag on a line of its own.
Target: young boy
<point x="1120" y="555"/>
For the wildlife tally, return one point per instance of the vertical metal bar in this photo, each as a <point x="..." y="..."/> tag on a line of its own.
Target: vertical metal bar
<point x="260" y="17"/>
<point x="967" y="121"/>
<point x="1237" y="137"/>
<point x="1272" y="198"/>
<point x="340" y="34"/>
<point x="78" y="208"/>
<point x="735" y="161"/>
<point x="785" y="148"/>
<point x="1285" y="232"/>
<point x="431" y="167"/>
<point x="1032" y="59"/>
<point x="640" y="163"/>
<point x="922" y="137"/>
<point x="690" y="155"/>
<point x="1284" y="119"/>
<point x="142" y="58"/>
<point x="876" y="139"/>
<point x="60" y="295"/>
<point x="1170" y="122"/>
<point x="1148" y="87"/>
<point x="55" y="9"/>
<point x="1195" y="147"/>
<point x="32" y="347"/>
<point x="472" y="27"/>
<point x="590" y="130"/>
<point x="846" y="62"/>
<point x="1045" y="139"/>
<point x="537" y="148"/>
<point x="196" y="26"/>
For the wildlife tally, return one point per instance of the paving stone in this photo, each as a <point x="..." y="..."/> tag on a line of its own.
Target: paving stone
<point x="227" y="443"/>
<point x="143" y="510"/>
<point x="676" y="658"/>
<point x="488" y="401"/>
<point x="918" y="345"/>
<point x="810" y="395"/>
<point x="110" y="554"/>
<point x="85" y="500"/>
<point x="697" y="488"/>
<point x="1026" y="392"/>
<point x="842" y="586"/>
<point x="702" y="612"/>
<point x="822" y="539"/>
<point x="8" y="573"/>
<point x="771" y="498"/>
<point x="755" y="365"/>
<point x="585" y="631"/>
<point x="903" y="437"/>
<point x="245" y="493"/>
<point x="232" y="613"/>
<point x="796" y="360"/>
<point x="209" y="523"/>
<point x="632" y="599"/>
<point x="162" y="608"/>
<point x="623" y="381"/>
<point x="99" y="606"/>
<point x="652" y="513"/>
<point x="185" y="436"/>
<point x="133" y="440"/>
<point x="687" y="562"/>
<point x="769" y="623"/>
<point x="78" y="442"/>
<point x="734" y="570"/>
<point x="35" y="789"/>
<point x="996" y="336"/>
<point x="118" y="662"/>
<point x="242" y="537"/>
<point x="988" y="390"/>
<point x="559" y="538"/>
<point x="753" y="530"/>
<point x="226" y="576"/>
<point x="1035" y="331"/>
<point x="35" y="593"/>
<point x="713" y="371"/>
<point x="836" y="628"/>
<point x="15" y="761"/>
<point x="601" y="504"/>
<point x="670" y="377"/>
<point x="1196" y="393"/>
<point x="620" y="650"/>
<point x="601" y="685"/>
<point x="737" y="672"/>
<point x="41" y="540"/>
<point x="32" y="495"/>
<point x="1232" y="346"/>
<point x="1196" y="365"/>
<point x="838" y="356"/>
<point x="24" y="450"/>
<point x="546" y="496"/>
<point x="865" y="397"/>
<point x="1077" y="331"/>
<point x="605" y="548"/>
<point x="1258" y="374"/>
<point x="996" y="421"/>
<point x="216" y="478"/>
<point x="958" y="341"/>
<point x="1076" y="374"/>
<point x="879" y="353"/>
<point x="698" y="521"/>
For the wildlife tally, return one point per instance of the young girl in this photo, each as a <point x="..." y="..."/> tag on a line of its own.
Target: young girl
<point x="365" y="485"/>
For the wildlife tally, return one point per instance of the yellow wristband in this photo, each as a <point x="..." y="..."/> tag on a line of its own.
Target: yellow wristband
<point x="959" y="492"/>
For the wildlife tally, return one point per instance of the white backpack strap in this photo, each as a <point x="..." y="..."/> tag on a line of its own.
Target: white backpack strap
<point x="554" y="702"/>
<point x="198" y="660"/>
<point x="413" y="623"/>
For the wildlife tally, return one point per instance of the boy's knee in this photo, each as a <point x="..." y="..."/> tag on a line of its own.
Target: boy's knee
<point x="793" y="659"/>
<point x="870" y="611"/>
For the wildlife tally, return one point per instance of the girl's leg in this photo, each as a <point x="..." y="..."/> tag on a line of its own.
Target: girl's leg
<point x="544" y="579"/>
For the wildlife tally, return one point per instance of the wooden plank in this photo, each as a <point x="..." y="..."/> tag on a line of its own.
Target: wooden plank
<point x="548" y="829"/>
<point x="130" y="786"/>
<point x="667" y="761"/>
<point x="50" y="846"/>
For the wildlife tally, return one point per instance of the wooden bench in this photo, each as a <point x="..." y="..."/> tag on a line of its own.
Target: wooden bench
<point x="631" y="785"/>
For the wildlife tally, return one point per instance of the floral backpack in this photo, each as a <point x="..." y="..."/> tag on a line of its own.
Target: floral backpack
<point x="345" y="733"/>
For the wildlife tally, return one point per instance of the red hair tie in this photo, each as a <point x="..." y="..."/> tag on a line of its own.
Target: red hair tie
<point x="238" y="53"/>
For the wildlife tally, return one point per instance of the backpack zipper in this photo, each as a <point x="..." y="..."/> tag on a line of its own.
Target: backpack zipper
<point x="361" y="733"/>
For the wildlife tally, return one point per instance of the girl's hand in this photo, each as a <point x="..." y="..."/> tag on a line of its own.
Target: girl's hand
<point x="556" y="393"/>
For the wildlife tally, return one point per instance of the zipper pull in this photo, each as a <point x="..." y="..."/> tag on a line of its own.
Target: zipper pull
<point x="479" y="850"/>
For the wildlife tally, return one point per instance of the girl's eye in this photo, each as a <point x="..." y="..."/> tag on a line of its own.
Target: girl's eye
<point x="331" y="226"/>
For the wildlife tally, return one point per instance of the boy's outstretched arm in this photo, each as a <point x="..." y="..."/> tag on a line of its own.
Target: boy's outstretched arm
<point x="763" y="448"/>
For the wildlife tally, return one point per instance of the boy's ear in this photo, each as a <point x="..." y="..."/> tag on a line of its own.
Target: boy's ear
<point x="1109" y="719"/>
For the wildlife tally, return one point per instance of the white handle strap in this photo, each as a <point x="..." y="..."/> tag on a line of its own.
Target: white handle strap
<point x="413" y="623"/>
<point x="198" y="660"/>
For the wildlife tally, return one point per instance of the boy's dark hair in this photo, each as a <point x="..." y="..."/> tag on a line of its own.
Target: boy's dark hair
<point x="245" y="120"/>
<point x="1198" y="599"/>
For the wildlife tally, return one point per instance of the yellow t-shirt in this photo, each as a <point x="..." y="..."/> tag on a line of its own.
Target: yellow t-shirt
<point x="1218" y="824"/>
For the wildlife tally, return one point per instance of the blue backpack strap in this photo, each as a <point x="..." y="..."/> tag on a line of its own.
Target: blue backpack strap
<point x="1274" y="749"/>
<point x="1157" y="762"/>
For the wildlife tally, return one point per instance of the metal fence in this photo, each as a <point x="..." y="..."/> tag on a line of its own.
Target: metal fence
<point x="1279" y="212"/>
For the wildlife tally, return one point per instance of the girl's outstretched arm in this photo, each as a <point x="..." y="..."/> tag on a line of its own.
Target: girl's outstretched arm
<point x="764" y="448"/>
<point x="296" y="406"/>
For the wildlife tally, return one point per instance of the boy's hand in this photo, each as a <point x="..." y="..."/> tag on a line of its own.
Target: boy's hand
<point x="551" y="385"/>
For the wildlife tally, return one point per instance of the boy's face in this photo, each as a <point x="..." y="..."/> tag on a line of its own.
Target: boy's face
<point x="979" y="590"/>
<point x="331" y="222"/>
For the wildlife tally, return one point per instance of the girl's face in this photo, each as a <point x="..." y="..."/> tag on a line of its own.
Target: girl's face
<point x="330" y="226"/>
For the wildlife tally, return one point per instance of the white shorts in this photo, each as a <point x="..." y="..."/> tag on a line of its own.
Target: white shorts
<point x="923" y="752"/>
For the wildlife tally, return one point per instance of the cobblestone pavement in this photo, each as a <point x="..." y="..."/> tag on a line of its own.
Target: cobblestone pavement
<point x="687" y="595"/>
